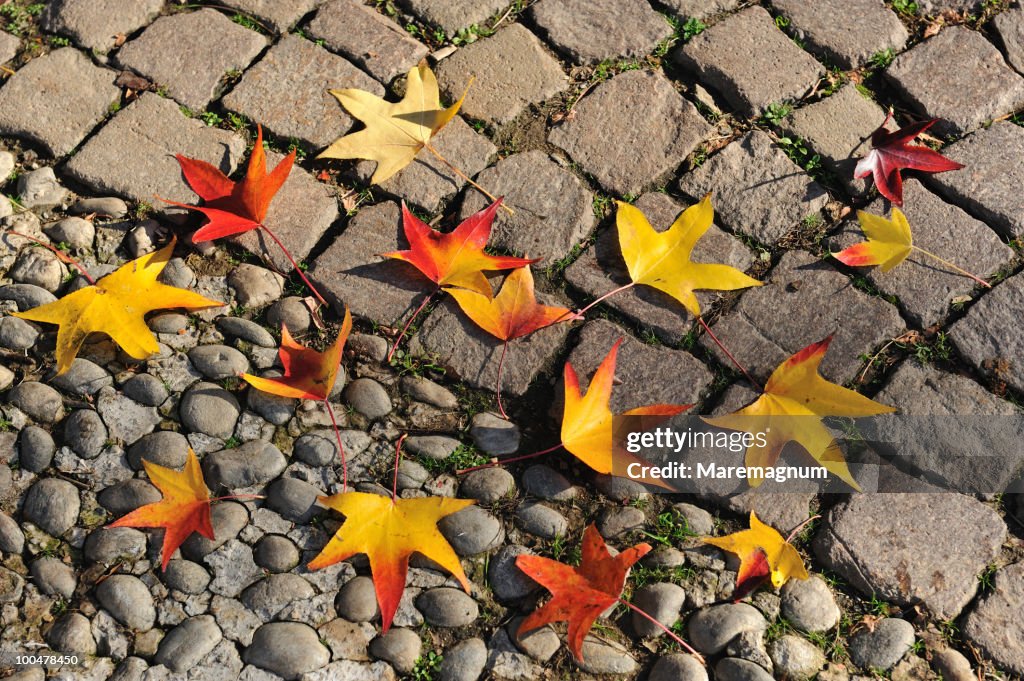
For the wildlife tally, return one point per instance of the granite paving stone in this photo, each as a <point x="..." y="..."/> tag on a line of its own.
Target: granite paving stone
<point x="600" y="269"/>
<point x="9" y="46"/>
<point x="96" y="24"/>
<point x="963" y="453"/>
<point x="452" y="15"/>
<point x="845" y="32"/>
<point x="982" y="339"/>
<point x="912" y="548"/>
<point x="473" y="355"/>
<point x="926" y="288"/>
<point x="511" y="70"/>
<point x="699" y="9"/>
<point x="994" y="625"/>
<point x="804" y="301"/>
<point x="287" y="91"/>
<point x="631" y="131"/>
<point x="351" y="272"/>
<point x="959" y="77"/>
<point x="987" y="187"/>
<point x="553" y="208"/>
<point x="755" y="188"/>
<point x="364" y="36"/>
<point x="1009" y="26"/>
<point x="838" y="128"/>
<point x="133" y="155"/>
<point x="300" y="213"/>
<point x="190" y="53"/>
<point x="56" y="100"/>
<point x="589" y="31"/>
<point x="751" y="63"/>
<point x="277" y="15"/>
<point x="427" y="182"/>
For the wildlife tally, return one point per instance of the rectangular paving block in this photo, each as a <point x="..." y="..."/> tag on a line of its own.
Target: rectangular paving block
<point x="300" y="213"/>
<point x="9" y="46"/>
<point x="191" y="53"/>
<point x="133" y="155"/>
<point x="277" y="15"/>
<point x="989" y="186"/>
<point x="96" y="24"/>
<point x="958" y="77"/>
<point x="926" y="288"/>
<point x="989" y="338"/>
<point x="452" y="15"/>
<point x="699" y="9"/>
<point x="838" y="128"/>
<point x="364" y="36"/>
<point x="427" y="182"/>
<point x="287" y="91"/>
<point x="845" y="32"/>
<point x="1009" y="26"/>
<point x="511" y="70"/>
<point x="755" y="188"/>
<point x="601" y="269"/>
<point x="553" y="208"/>
<point x="590" y="31"/>
<point x="452" y="340"/>
<point x="750" y="62"/>
<point x="351" y="272"/>
<point x="631" y="132"/>
<point x="55" y="100"/>
<point x="804" y="301"/>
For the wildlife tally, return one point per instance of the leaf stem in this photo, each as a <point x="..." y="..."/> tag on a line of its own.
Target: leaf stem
<point x="952" y="266"/>
<point x="63" y="257"/>
<point x="409" y="323"/>
<point x="796" y="530"/>
<point x="729" y="354"/>
<point x="398" y="457"/>
<point x="500" y="462"/>
<point x="295" y="265"/>
<point x="341" y="449"/>
<point x="497" y="387"/>
<point x="430" y="147"/>
<point x="624" y="287"/>
<point x="675" y="637"/>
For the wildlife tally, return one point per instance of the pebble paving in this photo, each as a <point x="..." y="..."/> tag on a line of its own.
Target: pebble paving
<point x="573" y="106"/>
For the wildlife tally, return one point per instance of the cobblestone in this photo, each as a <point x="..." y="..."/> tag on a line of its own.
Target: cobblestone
<point x="1009" y="25"/>
<point x="595" y="30"/>
<point x="845" y="32"/>
<point x="981" y="337"/>
<point x="96" y="24"/>
<point x="277" y="15"/>
<point x="452" y="15"/>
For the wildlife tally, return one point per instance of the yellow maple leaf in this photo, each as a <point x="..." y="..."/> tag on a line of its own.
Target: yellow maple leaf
<point x="395" y="131"/>
<point x="889" y="242"/>
<point x="388" y="531"/>
<point x="662" y="260"/>
<point x="790" y="409"/>
<point x="116" y="305"/>
<point x="759" y="545"/>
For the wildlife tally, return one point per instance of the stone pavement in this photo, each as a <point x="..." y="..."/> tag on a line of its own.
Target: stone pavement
<point x="572" y="106"/>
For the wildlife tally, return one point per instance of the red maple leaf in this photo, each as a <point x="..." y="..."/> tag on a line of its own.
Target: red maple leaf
<point x="233" y="207"/>
<point x="579" y="594"/>
<point x="892" y="151"/>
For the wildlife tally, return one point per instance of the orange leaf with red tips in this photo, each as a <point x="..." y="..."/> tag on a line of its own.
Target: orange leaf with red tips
<point x="892" y="151"/>
<point x="184" y="509"/>
<point x="588" y="424"/>
<point x="514" y="312"/>
<point x="308" y="374"/>
<point x="389" y="531"/>
<point x="234" y="207"/>
<point x="579" y="594"/>
<point x="456" y="258"/>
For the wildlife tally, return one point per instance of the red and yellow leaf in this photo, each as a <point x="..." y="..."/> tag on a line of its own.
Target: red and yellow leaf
<point x="579" y="594"/>
<point x="889" y="242"/>
<point x="184" y="509"/>
<point x="389" y="532"/>
<point x="758" y="547"/>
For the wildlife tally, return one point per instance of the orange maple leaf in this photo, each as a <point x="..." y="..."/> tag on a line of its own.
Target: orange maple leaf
<point x="184" y="509"/>
<point x="389" y="531"/>
<point x="763" y="552"/>
<point x="579" y="594"/>
<point x="308" y="374"/>
<point x="588" y="424"/>
<point x="456" y="258"/>
<point x="233" y="207"/>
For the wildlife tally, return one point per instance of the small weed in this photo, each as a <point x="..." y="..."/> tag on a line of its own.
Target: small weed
<point x="777" y="630"/>
<point x="232" y="442"/>
<point x="781" y="22"/>
<point x="114" y="107"/>
<point x="918" y="647"/>
<point x="985" y="579"/>
<point x="405" y="363"/>
<point x="59" y="607"/>
<point x="59" y="41"/>
<point x="19" y="17"/>
<point x="949" y="630"/>
<point x="907" y="8"/>
<point x="879" y="607"/>
<point x="247" y="21"/>
<point x="882" y="59"/>
<point x="211" y="118"/>
<point x="602" y="205"/>
<point x="692" y="28"/>
<point x="801" y="154"/>
<point x="143" y="210"/>
<point x="775" y="112"/>
<point x="428" y="667"/>
<point x="670" y="528"/>
<point x="5" y="425"/>
<point x="864" y="91"/>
